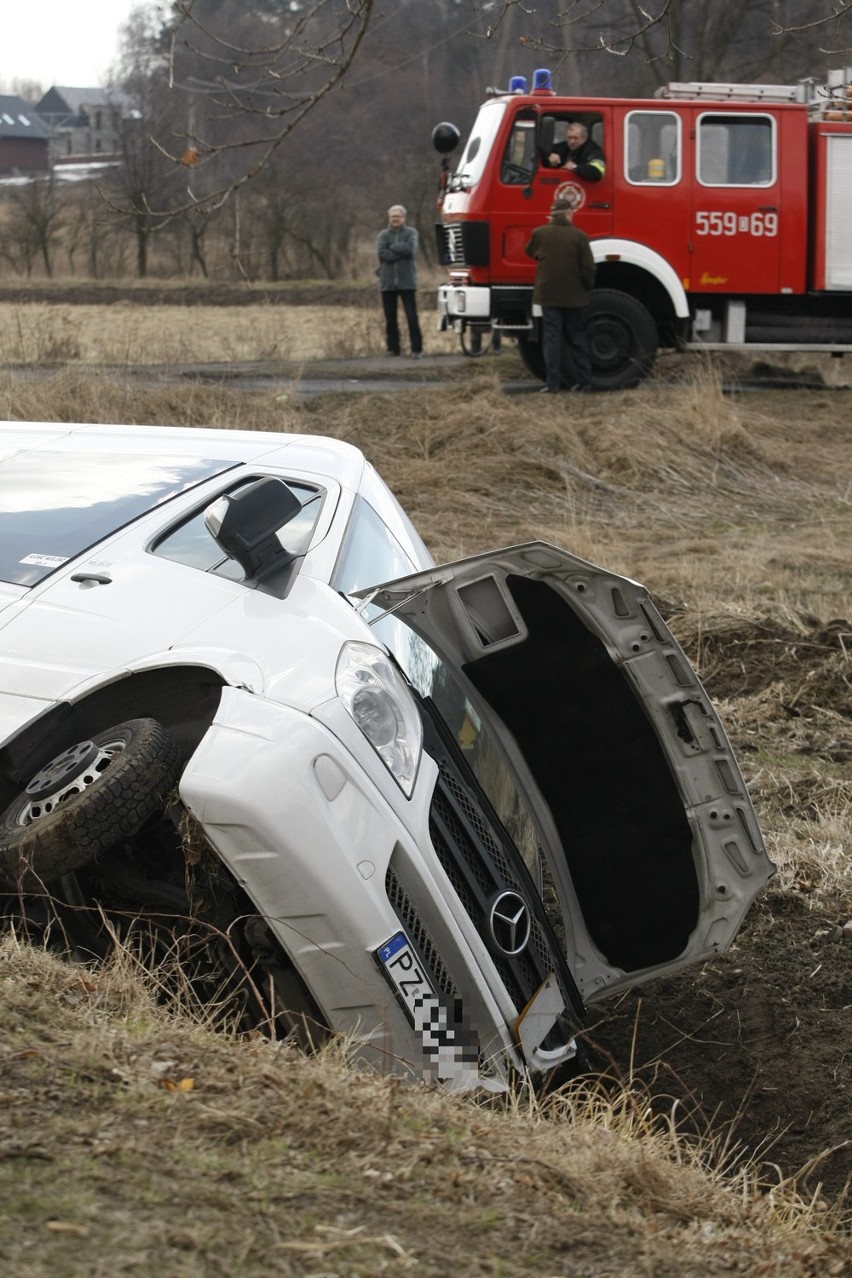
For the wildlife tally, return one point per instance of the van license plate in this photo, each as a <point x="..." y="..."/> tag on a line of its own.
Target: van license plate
<point x="405" y="972"/>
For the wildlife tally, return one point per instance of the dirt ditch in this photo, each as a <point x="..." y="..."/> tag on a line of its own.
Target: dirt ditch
<point x="757" y="1044"/>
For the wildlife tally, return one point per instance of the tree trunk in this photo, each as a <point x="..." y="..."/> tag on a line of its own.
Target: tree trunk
<point x="197" y="255"/>
<point x="141" y="251"/>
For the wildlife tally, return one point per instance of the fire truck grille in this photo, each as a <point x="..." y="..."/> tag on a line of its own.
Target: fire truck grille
<point x="453" y="254"/>
<point x="463" y="243"/>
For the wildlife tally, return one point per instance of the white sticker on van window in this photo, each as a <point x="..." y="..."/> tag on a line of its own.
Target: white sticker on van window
<point x="45" y="561"/>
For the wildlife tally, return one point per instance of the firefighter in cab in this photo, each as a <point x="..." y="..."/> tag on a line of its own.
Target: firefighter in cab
<point x="579" y="154"/>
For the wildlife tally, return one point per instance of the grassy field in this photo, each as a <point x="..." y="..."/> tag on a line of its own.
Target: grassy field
<point x="135" y="1140"/>
<point x="132" y="331"/>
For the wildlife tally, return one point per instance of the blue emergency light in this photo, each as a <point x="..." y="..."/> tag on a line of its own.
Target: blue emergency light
<point x="518" y="84"/>
<point x="541" y="79"/>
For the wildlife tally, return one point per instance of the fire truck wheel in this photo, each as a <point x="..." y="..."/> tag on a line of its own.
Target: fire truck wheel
<point x="531" y="353"/>
<point x="622" y="339"/>
<point x="476" y="340"/>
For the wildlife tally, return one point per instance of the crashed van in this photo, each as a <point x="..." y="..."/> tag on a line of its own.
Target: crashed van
<point x="440" y="809"/>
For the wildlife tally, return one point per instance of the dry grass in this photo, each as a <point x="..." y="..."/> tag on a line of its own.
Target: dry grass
<point x="736" y="510"/>
<point x="706" y="497"/>
<point x="128" y="333"/>
<point x="138" y="1143"/>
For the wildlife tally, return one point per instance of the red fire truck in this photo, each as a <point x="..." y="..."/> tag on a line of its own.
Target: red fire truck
<point x="722" y="221"/>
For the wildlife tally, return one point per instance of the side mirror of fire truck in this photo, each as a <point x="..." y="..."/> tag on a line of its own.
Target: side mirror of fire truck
<point x="445" y="138"/>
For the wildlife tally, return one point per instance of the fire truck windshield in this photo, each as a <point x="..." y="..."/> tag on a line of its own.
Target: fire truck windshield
<point x="478" y="148"/>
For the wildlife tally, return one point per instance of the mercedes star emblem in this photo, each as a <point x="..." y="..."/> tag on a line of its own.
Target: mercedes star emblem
<point x="510" y="923"/>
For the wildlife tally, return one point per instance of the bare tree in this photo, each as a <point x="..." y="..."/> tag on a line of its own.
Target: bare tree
<point x="33" y="225"/>
<point x="146" y="180"/>
<point x="659" y="40"/>
<point x="828" y="22"/>
<point x="235" y="80"/>
<point x="27" y="90"/>
<point x="91" y="233"/>
<point x="299" y="231"/>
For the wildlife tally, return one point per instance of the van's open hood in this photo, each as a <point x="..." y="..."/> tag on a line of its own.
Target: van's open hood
<point x="652" y="848"/>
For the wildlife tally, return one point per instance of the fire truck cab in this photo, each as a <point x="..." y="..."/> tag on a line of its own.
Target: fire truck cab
<point x="721" y="221"/>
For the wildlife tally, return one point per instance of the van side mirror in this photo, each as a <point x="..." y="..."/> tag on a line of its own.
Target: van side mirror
<point x="546" y="133"/>
<point x="245" y="525"/>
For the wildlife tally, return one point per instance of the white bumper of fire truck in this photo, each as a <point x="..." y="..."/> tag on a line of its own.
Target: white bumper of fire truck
<point x="460" y="303"/>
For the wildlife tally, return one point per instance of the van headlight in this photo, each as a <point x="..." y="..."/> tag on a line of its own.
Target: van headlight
<point x="379" y="700"/>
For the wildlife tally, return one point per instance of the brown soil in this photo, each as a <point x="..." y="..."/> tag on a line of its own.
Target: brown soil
<point x="758" y="1043"/>
<point x="755" y="1043"/>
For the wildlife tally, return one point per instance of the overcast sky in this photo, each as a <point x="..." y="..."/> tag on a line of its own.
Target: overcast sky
<point x="60" y="41"/>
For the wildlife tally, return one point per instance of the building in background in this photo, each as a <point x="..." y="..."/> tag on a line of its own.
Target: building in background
<point x="85" y="124"/>
<point x="24" y="139"/>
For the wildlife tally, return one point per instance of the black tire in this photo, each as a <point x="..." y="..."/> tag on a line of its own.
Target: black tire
<point x="622" y="339"/>
<point x="86" y="800"/>
<point x="472" y="342"/>
<point x="531" y="353"/>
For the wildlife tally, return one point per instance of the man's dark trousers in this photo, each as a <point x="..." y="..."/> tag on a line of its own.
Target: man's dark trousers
<point x="408" y="299"/>
<point x="560" y="323"/>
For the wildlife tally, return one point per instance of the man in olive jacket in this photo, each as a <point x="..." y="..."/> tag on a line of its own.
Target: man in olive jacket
<point x="564" y="276"/>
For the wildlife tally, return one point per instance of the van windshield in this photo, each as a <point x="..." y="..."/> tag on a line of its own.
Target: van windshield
<point x="479" y="144"/>
<point x="56" y="504"/>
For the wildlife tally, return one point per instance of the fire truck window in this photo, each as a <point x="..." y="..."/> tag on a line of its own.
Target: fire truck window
<point x="563" y="123"/>
<point x="736" y="150"/>
<point x="652" y="148"/>
<point x="519" y="157"/>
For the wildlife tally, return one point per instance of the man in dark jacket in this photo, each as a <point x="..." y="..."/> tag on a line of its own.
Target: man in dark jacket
<point x="579" y="154"/>
<point x="396" y="248"/>
<point x="565" y="273"/>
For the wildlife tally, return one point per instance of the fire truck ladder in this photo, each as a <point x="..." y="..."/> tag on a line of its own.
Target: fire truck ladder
<point x="827" y="99"/>
<point x="705" y="90"/>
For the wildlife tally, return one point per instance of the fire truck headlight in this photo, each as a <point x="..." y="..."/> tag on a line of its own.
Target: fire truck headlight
<point x="461" y="302"/>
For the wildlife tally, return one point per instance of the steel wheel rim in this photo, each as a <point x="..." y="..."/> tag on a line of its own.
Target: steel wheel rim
<point x="92" y="761"/>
